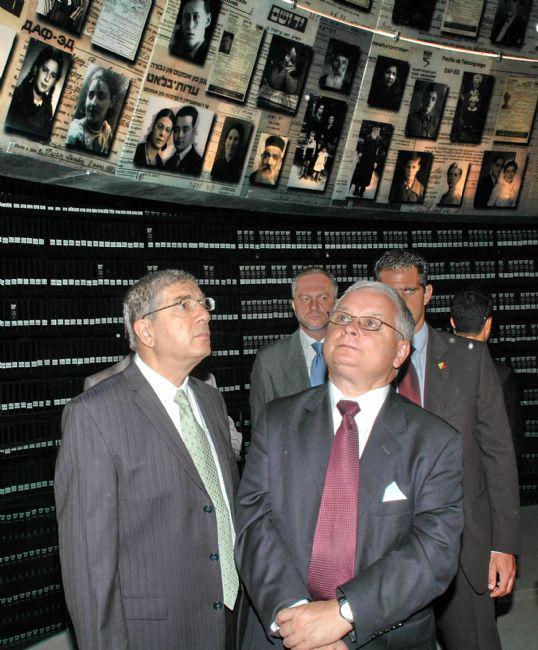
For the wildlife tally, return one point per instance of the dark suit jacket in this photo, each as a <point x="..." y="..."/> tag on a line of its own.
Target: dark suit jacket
<point x="190" y="165"/>
<point x="512" y="402"/>
<point x="483" y="191"/>
<point x="135" y="527"/>
<point x="462" y="387"/>
<point x="514" y="35"/>
<point x="407" y="549"/>
<point x="279" y="369"/>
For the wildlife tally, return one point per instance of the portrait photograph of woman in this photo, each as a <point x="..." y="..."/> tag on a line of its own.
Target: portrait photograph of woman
<point x="98" y="110"/>
<point x="453" y="177"/>
<point x="150" y="152"/>
<point x="505" y="193"/>
<point x="36" y="97"/>
<point x="231" y="150"/>
<point x="388" y="83"/>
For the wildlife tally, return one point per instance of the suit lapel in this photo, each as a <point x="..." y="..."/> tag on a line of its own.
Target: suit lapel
<point x="316" y="435"/>
<point x="146" y="401"/>
<point x="437" y="371"/>
<point x="380" y="454"/>
<point x="217" y="434"/>
<point x="299" y="377"/>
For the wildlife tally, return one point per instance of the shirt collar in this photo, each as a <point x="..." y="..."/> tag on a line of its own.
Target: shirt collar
<point x="371" y="401"/>
<point x="420" y="339"/>
<point x="160" y="384"/>
<point x="307" y="340"/>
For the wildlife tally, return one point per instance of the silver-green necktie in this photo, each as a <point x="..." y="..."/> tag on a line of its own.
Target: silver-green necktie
<point x="197" y="443"/>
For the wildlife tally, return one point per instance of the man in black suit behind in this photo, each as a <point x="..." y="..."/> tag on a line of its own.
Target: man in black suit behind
<point x="349" y="511"/>
<point x="487" y="181"/>
<point x="471" y="316"/>
<point x="186" y="160"/>
<point x="456" y="380"/>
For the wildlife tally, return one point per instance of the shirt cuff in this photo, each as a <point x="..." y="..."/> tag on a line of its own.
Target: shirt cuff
<point x="274" y="626"/>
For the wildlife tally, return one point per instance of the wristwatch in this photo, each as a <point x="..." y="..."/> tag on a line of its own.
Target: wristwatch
<point x="345" y="610"/>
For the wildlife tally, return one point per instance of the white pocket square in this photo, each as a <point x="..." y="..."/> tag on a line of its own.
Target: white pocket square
<point x="393" y="493"/>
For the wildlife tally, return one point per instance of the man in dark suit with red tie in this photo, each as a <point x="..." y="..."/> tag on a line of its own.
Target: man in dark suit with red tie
<point x="349" y="511"/>
<point x="457" y="381"/>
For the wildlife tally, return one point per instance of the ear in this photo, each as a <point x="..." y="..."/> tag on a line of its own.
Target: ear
<point x="292" y="303"/>
<point x="145" y="332"/>
<point x="402" y="352"/>
<point x="487" y="327"/>
<point x="428" y="292"/>
<point x="208" y="20"/>
<point x="453" y="323"/>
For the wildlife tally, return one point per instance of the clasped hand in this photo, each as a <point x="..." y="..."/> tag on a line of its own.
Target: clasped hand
<point x="313" y="626"/>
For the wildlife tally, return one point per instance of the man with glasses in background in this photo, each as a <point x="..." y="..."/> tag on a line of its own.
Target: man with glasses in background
<point x="295" y="363"/>
<point x="145" y="485"/>
<point x="349" y="513"/>
<point x="456" y="380"/>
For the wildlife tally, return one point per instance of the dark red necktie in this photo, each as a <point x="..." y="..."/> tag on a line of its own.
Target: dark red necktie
<point x="332" y="562"/>
<point x="408" y="386"/>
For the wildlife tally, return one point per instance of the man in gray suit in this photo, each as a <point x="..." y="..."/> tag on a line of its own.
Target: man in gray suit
<point x="145" y="483"/>
<point x="456" y="380"/>
<point x="349" y="512"/>
<point x="291" y="364"/>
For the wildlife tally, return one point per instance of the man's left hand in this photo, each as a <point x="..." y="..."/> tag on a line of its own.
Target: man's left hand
<point x="502" y="574"/>
<point x="313" y="625"/>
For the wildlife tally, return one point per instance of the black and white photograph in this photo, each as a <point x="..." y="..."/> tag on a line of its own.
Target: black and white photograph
<point x="231" y="150"/>
<point x="372" y="148"/>
<point x="516" y="114"/>
<point x="67" y="14"/>
<point x="413" y="13"/>
<point x="500" y="179"/>
<point x="453" y="178"/>
<point x="226" y="42"/>
<point x="339" y="66"/>
<point x="158" y="145"/>
<point x="14" y="7"/>
<point x="98" y="110"/>
<point x="192" y="126"/>
<point x="284" y="75"/>
<point x="195" y="24"/>
<point x="490" y="172"/>
<point x="426" y="110"/>
<point x="462" y="17"/>
<point x="268" y="160"/>
<point x="36" y="96"/>
<point x="318" y="141"/>
<point x="7" y="37"/>
<point x="510" y="23"/>
<point x="411" y="176"/>
<point x="388" y="83"/>
<point x="472" y="108"/>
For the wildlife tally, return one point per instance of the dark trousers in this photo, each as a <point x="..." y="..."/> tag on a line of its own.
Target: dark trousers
<point x="466" y="620"/>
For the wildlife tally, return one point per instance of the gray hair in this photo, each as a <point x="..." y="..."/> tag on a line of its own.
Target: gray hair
<point x="308" y="271"/>
<point x="398" y="259"/>
<point x="405" y="323"/>
<point x="144" y="295"/>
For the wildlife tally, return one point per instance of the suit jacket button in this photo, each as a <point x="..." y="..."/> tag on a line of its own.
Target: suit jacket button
<point x="218" y="605"/>
<point x="208" y="509"/>
<point x="214" y="557"/>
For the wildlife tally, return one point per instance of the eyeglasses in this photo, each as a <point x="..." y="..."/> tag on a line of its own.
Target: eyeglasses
<point x="187" y="305"/>
<point x="368" y="323"/>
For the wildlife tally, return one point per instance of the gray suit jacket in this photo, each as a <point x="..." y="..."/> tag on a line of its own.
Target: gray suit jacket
<point x="407" y="549"/>
<point x="279" y="369"/>
<point x="462" y="387"/>
<point x="136" y="525"/>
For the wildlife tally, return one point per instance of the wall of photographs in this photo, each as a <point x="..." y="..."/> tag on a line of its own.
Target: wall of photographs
<point x="66" y="264"/>
<point x="279" y="101"/>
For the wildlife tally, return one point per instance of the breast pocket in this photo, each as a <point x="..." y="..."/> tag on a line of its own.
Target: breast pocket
<point x="399" y="507"/>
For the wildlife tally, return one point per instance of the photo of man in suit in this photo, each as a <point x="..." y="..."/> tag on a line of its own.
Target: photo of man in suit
<point x="145" y="484"/>
<point x="295" y="362"/>
<point x="321" y="563"/>
<point x="426" y="110"/>
<point x="510" y="23"/>
<point x="186" y="160"/>
<point x="194" y="27"/>
<point x="491" y="169"/>
<point x="471" y="316"/>
<point x="457" y="381"/>
<point x="411" y="176"/>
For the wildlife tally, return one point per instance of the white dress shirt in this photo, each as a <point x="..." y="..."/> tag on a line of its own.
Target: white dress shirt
<point x="166" y="391"/>
<point x="308" y="350"/>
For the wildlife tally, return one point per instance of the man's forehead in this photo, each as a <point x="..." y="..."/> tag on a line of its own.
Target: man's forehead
<point x="182" y="288"/>
<point x="368" y="301"/>
<point x="313" y="282"/>
<point x="274" y="151"/>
